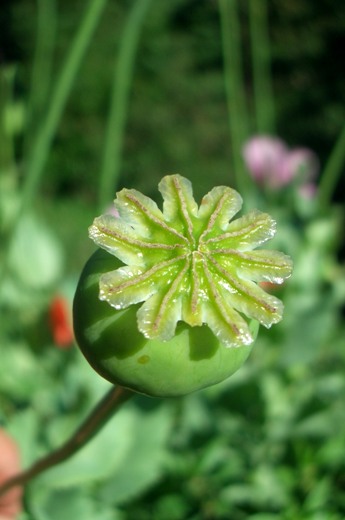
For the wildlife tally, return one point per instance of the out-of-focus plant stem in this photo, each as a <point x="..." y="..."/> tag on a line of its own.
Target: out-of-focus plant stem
<point x="7" y="75"/>
<point x="99" y="416"/>
<point x="235" y="89"/>
<point x="42" y="67"/>
<point x="332" y="171"/>
<point x="41" y="147"/>
<point x="39" y="151"/>
<point x="123" y="73"/>
<point x="261" y="56"/>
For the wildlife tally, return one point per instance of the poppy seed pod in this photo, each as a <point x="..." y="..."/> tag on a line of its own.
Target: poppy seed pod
<point x="161" y="307"/>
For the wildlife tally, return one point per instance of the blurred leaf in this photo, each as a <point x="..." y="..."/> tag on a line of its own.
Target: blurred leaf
<point x="143" y="463"/>
<point x="14" y="118"/>
<point x="309" y="327"/>
<point x="172" y="507"/>
<point x="24" y="427"/>
<point x="36" y="257"/>
<point x="321" y="424"/>
<point x="270" y="488"/>
<point x="20" y="374"/>
<point x="320" y="495"/>
<point x="98" y="459"/>
<point x="9" y="199"/>
<point x="280" y="409"/>
<point x="264" y="516"/>
<point x="127" y="453"/>
<point x="194" y="418"/>
<point x="70" y="503"/>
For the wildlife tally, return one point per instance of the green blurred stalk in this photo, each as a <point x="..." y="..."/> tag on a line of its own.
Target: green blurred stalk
<point x="38" y="154"/>
<point x="40" y="149"/>
<point x="235" y="89"/>
<point x="123" y="73"/>
<point x="332" y="172"/>
<point x="261" y="56"/>
<point x="42" y="67"/>
<point x="7" y="75"/>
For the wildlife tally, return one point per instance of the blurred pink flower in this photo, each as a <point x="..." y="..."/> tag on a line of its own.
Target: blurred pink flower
<point x="263" y="156"/>
<point x="10" y="503"/>
<point x="300" y="162"/>
<point x="308" y="190"/>
<point x="271" y="163"/>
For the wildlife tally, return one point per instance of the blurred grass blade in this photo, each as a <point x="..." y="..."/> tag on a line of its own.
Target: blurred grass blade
<point x="40" y="150"/>
<point x="261" y="56"/>
<point x="332" y="172"/>
<point x="42" y="66"/>
<point x="7" y="75"/>
<point x="235" y="89"/>
<point x="123" y="72"/>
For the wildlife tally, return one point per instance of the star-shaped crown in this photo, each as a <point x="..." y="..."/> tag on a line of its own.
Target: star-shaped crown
<point x="190" y="263"/>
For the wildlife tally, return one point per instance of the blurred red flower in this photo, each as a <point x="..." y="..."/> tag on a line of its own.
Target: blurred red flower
<point x="10" y="503"/>
<point x="61" y="322"/>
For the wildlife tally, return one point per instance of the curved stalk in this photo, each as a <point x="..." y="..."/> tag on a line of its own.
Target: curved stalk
<point x="98" y="417"/>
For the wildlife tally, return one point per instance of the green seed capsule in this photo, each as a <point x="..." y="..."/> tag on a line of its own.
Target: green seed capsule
<point x="110" y="340"/>
<point x="162" y="307"/>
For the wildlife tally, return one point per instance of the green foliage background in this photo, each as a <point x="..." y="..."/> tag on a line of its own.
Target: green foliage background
<point x="176" y="119"/>
<point x="268" y="443"/>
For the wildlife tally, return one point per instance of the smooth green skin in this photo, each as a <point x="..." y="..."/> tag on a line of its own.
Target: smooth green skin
<point x="114" y="347"/>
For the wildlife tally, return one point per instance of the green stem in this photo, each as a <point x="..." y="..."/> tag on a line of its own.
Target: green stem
<point x="99" y="416"/>
<point x="123" y="73"/>
<point x="332" y="172"/>
<point x="263" y="91"/>
<point x="235" y="88"/>
<point x="47" y="130"/>
<point x="42" y="67"/>
<point x="40" y="149"/>
<point x="7" y="75"/>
